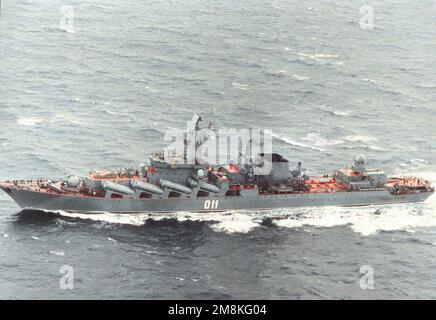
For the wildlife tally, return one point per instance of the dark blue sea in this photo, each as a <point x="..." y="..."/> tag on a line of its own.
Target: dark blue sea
<point x="102" y="96"/>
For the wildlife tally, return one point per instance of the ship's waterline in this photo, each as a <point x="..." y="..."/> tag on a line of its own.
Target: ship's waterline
<point x="36" y="200"/>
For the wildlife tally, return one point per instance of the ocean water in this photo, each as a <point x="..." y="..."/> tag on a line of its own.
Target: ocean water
<point x="103" y="94"/>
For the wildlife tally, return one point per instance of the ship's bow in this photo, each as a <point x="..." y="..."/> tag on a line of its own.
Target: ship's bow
<point x="6" y="187"/>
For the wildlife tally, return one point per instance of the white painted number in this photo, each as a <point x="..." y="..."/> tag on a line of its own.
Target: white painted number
<point x="367" y="17"/>
<point x="367" y="280"/>
<point x="211" y="204"/>
<point x="67" y="280"/>
<point x="66" y="22"/>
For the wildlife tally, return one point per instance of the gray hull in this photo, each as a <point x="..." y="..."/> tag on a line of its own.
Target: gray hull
<point x="38" y="200"/>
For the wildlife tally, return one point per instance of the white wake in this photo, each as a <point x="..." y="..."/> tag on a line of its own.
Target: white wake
<point x="363" y="220"/>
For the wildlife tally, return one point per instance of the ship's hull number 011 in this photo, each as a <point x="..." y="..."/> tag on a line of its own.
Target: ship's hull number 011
<point x="211" y="204"/>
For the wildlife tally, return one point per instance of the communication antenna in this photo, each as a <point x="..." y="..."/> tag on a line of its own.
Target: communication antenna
<point x="195" y="120"/>
<point x="251" y="152"/>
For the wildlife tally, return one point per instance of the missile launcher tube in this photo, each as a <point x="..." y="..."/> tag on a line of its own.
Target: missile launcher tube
<point x="115" y="187"/>
<point x="174" y="186"/>
<point x="147" y="187"/>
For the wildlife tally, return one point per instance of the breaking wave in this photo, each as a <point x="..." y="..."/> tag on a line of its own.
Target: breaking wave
<point x="359" y="138"/>
<point x="338" y="113"/>
<point x="312" y="141"/>
<point x="57" y="253"/>
<point x="317" y="56"/>
<point x="300" y="78"/>
<point x="317" y="140"/>
<point x="365" y="142"/>
<point x="295" y="143"/>
<point x="412" y="165"/>
<point x="373" y="148"/>
<point x="229" y="222"/>
<point x="369" y="80"/>
<point x="28" y="121"/>
<point x="363" y="220"/>
<point x="341" y="113"/>
<point x="240" y="86"/>
<point x="369" y="220"/>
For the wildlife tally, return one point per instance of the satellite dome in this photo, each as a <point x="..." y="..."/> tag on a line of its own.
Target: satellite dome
<point x="360" y="159"/>
<point x="359" y="164"/>
<point x="73" y="181"/>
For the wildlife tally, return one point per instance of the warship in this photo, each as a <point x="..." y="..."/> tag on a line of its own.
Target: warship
<point x="173" y="186"/>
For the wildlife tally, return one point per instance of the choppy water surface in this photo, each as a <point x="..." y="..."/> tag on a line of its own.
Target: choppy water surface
<point x="102" y="97"/>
